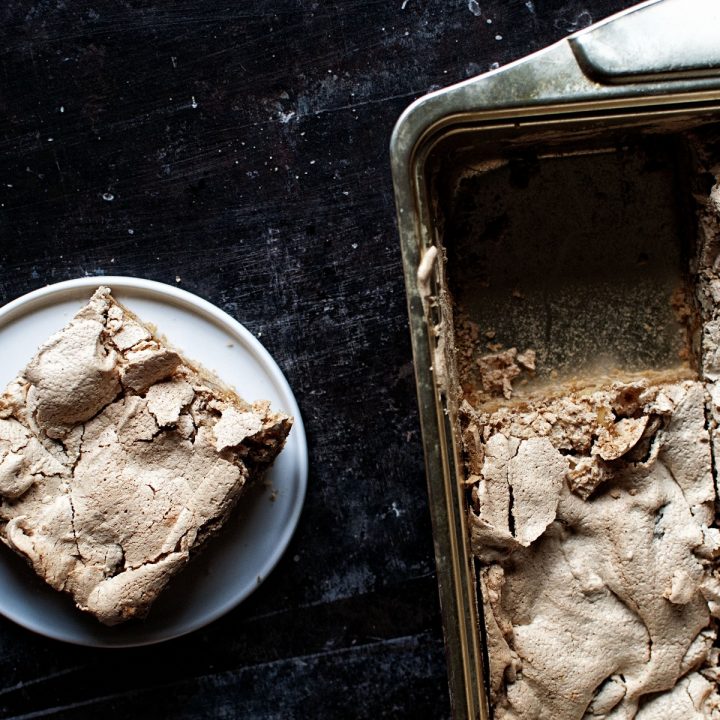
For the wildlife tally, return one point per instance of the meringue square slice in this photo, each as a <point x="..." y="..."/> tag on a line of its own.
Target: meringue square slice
<point x="120" y="458"/>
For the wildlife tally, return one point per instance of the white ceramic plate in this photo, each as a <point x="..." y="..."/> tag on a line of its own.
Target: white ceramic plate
<point x="235" y="562"/>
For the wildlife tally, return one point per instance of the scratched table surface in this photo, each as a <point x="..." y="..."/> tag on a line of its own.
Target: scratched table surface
<point x="240" y="151"/>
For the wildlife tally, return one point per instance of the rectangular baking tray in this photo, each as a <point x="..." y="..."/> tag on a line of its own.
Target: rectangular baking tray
<point x="605" y="101"/>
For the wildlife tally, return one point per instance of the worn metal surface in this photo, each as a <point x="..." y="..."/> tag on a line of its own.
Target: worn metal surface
<point x="644" y="47"/>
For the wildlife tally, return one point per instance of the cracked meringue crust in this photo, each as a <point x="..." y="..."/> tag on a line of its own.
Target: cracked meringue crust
<point x="593" y="519"/>
<point x="593" y="523"/>
<point x="119" y="458"/>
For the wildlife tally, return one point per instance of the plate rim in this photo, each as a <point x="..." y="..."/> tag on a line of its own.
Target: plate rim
<point x="40" y="297"/>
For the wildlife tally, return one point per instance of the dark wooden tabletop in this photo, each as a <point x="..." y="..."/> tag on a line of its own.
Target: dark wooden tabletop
<point x="239" y="150"/>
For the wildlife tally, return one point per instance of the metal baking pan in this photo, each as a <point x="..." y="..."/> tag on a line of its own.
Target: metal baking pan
<point x="581" y="121"/>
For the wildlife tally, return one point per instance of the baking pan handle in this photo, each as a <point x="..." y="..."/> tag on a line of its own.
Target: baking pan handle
<point x="661" y="40"/>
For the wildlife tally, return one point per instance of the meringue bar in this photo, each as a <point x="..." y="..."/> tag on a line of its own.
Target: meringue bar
<point x="119" y="459"/>
<point x="593" y="520"/>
